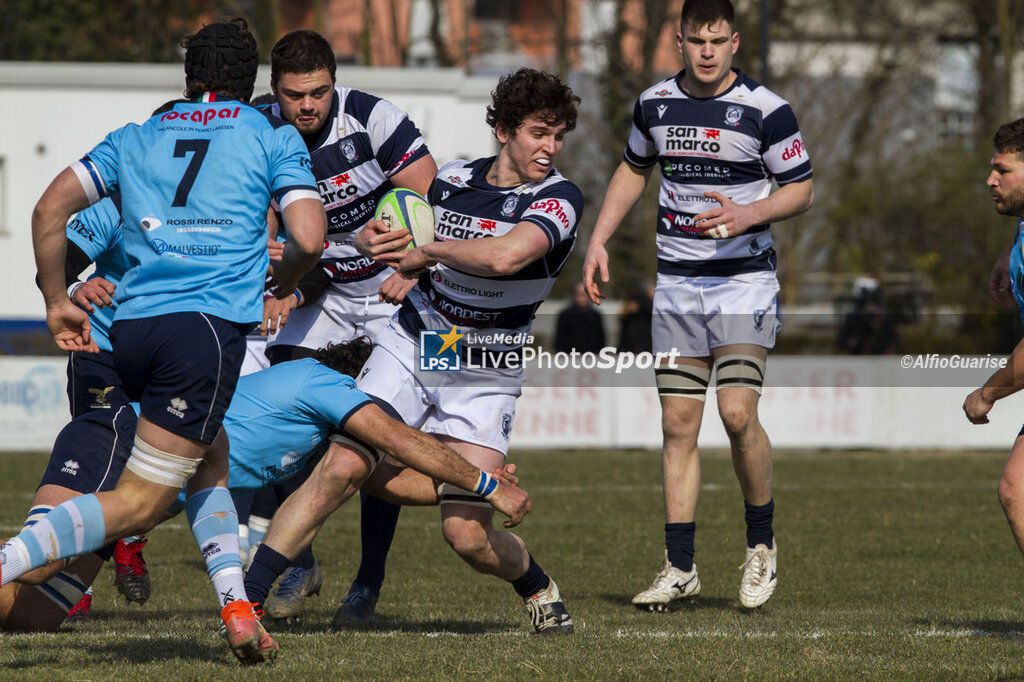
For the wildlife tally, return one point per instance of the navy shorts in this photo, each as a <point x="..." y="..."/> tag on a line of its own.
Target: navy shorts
<point x="91" y="451"/>
<point x="93" y="383"/>
<point x="182" y="368"/>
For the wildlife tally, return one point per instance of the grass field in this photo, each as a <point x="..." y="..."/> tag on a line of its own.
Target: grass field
<point x="891" y="566"/>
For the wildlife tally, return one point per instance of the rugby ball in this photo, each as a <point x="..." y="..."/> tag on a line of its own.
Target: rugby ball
<point x="403" y="209"/>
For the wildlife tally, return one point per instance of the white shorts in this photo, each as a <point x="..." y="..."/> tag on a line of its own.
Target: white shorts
<point x="255" y="354"/>
<point x="334" y="318"/>
<point x="450" y="404"/>
<point x="693" y="315"/>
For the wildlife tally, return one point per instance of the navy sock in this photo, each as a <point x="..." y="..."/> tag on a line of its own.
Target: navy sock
<point x="304" y="559"/>
<point x="759" y="523"/>
<point x="377" y="523"/>
<point x="531" y="582"/>
<point x="679" y="543"/>
<point x="267" y="565"/>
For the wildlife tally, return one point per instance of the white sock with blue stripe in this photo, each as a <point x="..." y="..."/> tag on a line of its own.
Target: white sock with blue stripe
<point x="214" y="521"/>
<point x="72" y="528"/>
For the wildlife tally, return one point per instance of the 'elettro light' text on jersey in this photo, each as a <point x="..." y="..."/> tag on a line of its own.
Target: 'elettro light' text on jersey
<point x="734" y="144"/>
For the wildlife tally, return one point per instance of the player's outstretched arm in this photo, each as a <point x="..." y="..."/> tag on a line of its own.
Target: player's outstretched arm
<point x="306" y="225"/>
<point x="68" y="323"/>
<point x="431" y="457"/>
<point x="1004" y="382"/>
<point x="495" y="256"/>
<point x="624" y="190"/>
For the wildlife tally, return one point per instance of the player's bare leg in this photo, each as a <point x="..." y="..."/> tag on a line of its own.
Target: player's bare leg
<point x="681" y="419"/>
<point x="752" y="462"/>
<point x="468" y="528"/>
<point x="1011" y="491"/>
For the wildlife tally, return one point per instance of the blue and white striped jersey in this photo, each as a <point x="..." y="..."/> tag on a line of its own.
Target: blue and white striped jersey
<point x="734" y="144"/>
<point x="97" y="232"/>
<point x="196" y="183"/>
<point x="364" y="142"/>
<point x="466" y="206"/>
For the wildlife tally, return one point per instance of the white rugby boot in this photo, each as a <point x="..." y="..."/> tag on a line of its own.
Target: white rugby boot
<point x="759" y="575"/>
<point x="671" y="584"/>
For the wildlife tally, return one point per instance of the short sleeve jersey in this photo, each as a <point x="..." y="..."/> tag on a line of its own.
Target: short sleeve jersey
<point x="466" y="206"/>
<point x="1017" y="268"/>
<point x="735" y="143"/>
<point x="196" y="183"/>
<point x="97" y="232"/>
<point x="280" y="418"/>
<point x="364" y="142"/>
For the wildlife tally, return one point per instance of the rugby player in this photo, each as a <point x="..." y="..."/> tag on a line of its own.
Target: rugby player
<point x="720" y="139"/>
<point x="1006" y="183"/>
<point x="361" y="147"/>
<point x="196" y="183"/>
<point x="279" y="421"/>
<point x="505" y="226"/>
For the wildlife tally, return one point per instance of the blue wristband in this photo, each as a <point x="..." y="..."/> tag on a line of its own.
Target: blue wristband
<point x="486" y="485"/>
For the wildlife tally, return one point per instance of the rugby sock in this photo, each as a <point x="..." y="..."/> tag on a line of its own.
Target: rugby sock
<point x="304" y="559"/>
<point x="258" y="527"/>
<point x="211" y="514"/>
<point x="759" y="523"/>
<point x="72" y="528"/>
<point x="532" y="582"/>
<point x="267" y="565"/>
<point x="679" y="543"/>
<point x="377" y="525"/>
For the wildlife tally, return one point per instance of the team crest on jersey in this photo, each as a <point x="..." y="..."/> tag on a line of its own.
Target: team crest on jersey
<point x="348" y="148"/>
<point x="759" y="319"/>
<point x="733" y="114"/>
<point x="509" y="207"/>
<point x="662" y="108"/>
<point x="506" y="425"/>
<point x="663" y="93"/>
<point x="754" y="247"/>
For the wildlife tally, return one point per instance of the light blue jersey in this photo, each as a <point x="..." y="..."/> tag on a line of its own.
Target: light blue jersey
<point x="1017" y="268"/>
<point x="280" y="418"/>
<point x="97" y="232"/>
<point x="196" y="183"/>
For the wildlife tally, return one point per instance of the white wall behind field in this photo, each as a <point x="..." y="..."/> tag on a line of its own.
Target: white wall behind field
<point x="811" y="402"/>
<point x="52" y="114"/>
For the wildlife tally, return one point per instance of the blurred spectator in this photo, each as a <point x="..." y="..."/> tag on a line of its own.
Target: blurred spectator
<point x="579" y="325"/>
<point x="870" y="328"/>
<point x="635" y="322"/>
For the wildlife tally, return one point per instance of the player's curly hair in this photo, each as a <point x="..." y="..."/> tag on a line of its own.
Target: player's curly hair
<point x="701" y="13"/>
<point x="527" y="92"/>
<point x="1009" y="138"/>
<point x="301" y="51"/>
<point x="221" y="57"/>
<point x="347" y="357"/>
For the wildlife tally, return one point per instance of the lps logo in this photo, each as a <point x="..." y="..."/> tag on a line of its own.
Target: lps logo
<point x="440" y="352"/>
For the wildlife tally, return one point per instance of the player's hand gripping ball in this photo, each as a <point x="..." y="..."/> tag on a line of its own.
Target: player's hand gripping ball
<point x="403" y="209"/>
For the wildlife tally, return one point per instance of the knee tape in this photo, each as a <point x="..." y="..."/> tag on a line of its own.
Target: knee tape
<point x="450" y="494"/>
<point x="684" y="381"/>
<point x="160" y="467"/>
<point x="740" y="371"/>
<point x="369" y="453"/>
